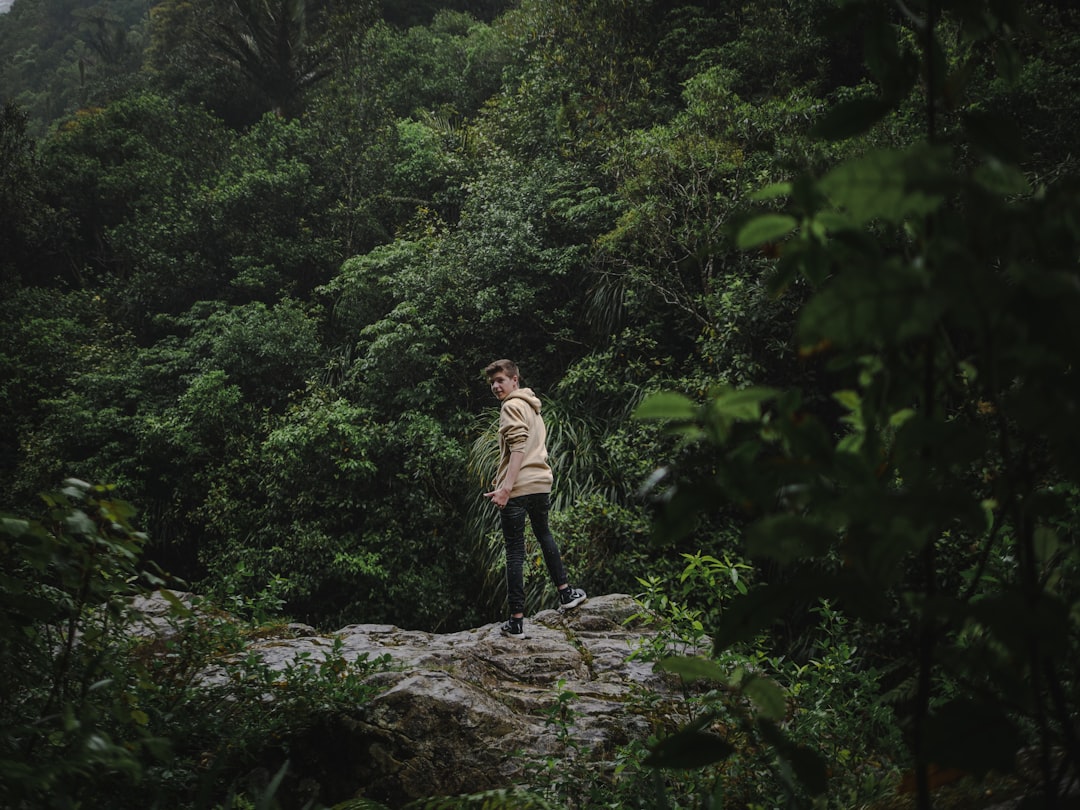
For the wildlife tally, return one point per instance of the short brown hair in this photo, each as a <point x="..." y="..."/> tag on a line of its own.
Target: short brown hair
<point x="507" y="367"/>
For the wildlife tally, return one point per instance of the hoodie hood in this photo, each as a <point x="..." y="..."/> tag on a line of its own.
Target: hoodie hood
<point x="527" y="395"/>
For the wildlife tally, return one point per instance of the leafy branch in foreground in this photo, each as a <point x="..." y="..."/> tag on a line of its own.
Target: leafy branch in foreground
<point x="63" y="600"/>
<point x="939" y="508"/>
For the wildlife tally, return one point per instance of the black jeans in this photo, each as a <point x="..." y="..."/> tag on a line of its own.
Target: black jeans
<point x="513" y="527"/>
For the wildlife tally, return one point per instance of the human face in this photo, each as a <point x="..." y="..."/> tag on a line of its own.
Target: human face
<point x="501" y="385"/>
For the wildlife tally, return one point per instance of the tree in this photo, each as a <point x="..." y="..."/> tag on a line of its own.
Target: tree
<point x="128" y="162"/>
<point x="245" y="225"/>
<point x="450" y="67"/>
<point x="179" y="62"/>
<point x="45" y="336"/>
<point x="267" y="41"/>
<point x="29" y="223"/>
<point x="586" y="76"/>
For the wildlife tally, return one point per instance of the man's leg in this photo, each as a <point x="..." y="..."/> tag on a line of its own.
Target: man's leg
<point x="538" y="506"/>
<point x="512" y="517"/>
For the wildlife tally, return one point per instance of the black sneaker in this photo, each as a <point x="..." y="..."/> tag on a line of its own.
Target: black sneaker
<point x="514" y="627"/>
<point x="571" y="598"/>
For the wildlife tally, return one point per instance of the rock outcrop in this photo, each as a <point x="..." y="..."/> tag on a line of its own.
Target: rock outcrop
<point x="473" y="710"/>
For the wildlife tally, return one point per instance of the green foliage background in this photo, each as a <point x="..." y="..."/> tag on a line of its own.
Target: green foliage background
<point x="255" y="255"/>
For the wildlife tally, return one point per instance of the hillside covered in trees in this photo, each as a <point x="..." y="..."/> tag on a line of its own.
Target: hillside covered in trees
<point x="798" y="283"/>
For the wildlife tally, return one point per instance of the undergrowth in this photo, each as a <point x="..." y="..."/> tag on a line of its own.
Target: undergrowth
<point x="100" y="710"/>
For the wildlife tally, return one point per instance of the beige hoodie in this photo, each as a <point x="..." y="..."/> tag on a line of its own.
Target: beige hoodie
<point x="522" y="430"/>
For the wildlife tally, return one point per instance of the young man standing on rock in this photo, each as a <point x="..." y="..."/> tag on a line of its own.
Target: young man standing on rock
<point x="523" y="488"/>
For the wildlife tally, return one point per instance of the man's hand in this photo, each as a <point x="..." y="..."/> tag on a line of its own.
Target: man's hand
<point x="499" y="497"/>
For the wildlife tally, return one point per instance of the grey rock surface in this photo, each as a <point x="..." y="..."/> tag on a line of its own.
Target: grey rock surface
<point x="474" y="710"/>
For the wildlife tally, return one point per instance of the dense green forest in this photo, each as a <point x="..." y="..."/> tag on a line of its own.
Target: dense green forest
<point x="798" y="282"/>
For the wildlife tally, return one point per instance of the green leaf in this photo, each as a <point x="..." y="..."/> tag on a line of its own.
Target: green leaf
<point x="1003" y="179"/>
<point x="848" y="398"/>
<point x="267" y="799"/>
<point x="178" y="607"/>
<point x="1046" y="544"/>
<point x="879" y="45"/>
<point x="693" y="669"/>
<point x="808" y="766"/>
<point x="894" y="69"/>
<point x="688" y="750"/>
<point x="832" y="221"/>
<point x="901" y="417"/>
<point x="767" y="695"/>
<point x="881" y="185"/>
<point x="14" y="527"/>
<point x="666" y="405"/>
<point x="771" y="192"/>
<point x="888" y="306"/>
<point x="80" y="523"/>
<point x="851" y="118"/>
<point x="743" y="403"/>
<point x="765" y="228"/>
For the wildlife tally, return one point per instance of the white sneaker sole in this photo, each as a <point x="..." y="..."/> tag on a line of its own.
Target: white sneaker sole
<point x="573" y="603"/>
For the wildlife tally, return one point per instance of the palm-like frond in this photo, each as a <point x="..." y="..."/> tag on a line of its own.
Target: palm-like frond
<point x="482" y="520"/>
<point x="449" y="125"/>
<point x="606" y="302"/>
<point x="267" y="41"/>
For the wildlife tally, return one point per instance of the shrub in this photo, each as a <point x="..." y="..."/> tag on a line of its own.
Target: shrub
<point x="97" y="713"/>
